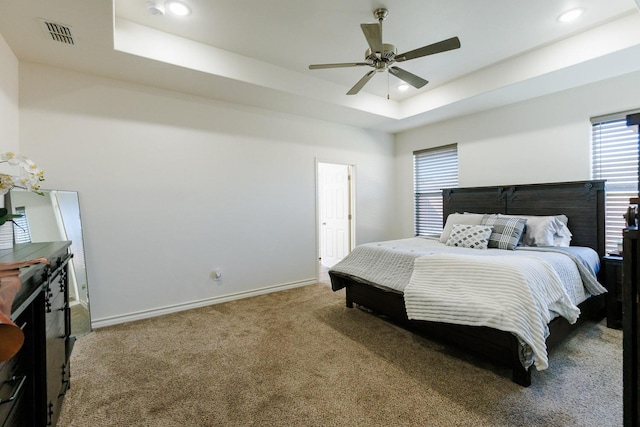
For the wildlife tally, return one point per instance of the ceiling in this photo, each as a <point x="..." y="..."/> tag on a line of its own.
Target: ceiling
<point x="256" y="53"/>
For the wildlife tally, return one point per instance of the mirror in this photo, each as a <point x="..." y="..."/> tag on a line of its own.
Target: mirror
<point x="52" y="217"/>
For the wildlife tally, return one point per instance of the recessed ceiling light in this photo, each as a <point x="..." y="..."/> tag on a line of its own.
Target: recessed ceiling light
<point x="155" y="7"/>
<point x="571" y="15"/>
<point x="178" y="8"/>
<point x="402" y="87"/>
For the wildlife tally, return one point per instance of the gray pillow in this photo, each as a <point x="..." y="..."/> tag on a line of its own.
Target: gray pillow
<point x="507" y="231"/>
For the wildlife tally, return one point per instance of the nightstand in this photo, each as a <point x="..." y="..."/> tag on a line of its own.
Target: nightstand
<point x="612" y="266"/>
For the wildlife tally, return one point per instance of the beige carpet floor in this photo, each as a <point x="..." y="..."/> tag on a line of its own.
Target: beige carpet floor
<point x="301" y="358"/>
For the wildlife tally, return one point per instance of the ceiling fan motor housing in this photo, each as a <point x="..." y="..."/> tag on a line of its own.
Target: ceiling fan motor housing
<point x="388" y="55"/>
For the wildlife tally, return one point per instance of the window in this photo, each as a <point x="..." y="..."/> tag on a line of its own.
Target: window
<point x="615" y="159"/>
<point x="434" y="169"/>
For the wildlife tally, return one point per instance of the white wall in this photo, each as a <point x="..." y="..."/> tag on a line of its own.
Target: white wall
<point x="173" y="186"/>
<point x="9" y="123"/>
<point x="547" y="139"/>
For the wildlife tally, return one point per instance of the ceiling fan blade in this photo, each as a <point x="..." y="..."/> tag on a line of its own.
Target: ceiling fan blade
<point x="373" y="34"/>
<point x="443" y="46"/>
<point x="363" y="81"/>
<point x="408" y="77"/>
<point x="340" y="65"/>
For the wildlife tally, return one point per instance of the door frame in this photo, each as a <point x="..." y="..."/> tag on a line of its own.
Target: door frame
<point x="351" y="201"/>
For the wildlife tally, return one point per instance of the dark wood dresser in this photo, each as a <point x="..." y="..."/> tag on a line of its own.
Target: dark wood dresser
<point x="631" y="326"/>
<point x="34" y="382"/>
<point x="630" y="312"/>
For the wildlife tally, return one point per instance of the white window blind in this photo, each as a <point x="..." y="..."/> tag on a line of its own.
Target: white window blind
<point x="615" y="158"/>
<point x="434" y="169"/>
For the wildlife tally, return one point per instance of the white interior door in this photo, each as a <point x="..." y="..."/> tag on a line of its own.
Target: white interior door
<point x="335" y="212"/>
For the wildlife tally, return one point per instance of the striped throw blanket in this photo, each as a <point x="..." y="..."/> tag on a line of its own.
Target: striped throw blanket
<point x="513" y="294"/>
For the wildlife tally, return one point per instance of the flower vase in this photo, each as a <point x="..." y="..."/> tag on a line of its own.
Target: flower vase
<point x="6" y="235"/>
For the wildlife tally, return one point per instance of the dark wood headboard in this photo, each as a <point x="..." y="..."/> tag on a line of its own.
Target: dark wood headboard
<point x="583" y="202"/>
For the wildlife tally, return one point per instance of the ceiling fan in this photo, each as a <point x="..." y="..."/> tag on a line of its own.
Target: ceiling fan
<point x="382" y="56"/>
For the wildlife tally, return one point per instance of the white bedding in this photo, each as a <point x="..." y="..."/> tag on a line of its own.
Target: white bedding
<point x="557" y="281"/>
<point x="513" y="294"/>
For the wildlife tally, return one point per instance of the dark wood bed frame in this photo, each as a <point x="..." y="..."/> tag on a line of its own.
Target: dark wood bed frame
<point x="582" y="202"/>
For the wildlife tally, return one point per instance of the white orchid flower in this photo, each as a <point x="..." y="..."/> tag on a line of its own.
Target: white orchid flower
<point x="29" y="174"/>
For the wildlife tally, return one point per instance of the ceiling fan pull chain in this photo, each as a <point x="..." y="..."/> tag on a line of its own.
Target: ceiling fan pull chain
<point x="388" y="97"/>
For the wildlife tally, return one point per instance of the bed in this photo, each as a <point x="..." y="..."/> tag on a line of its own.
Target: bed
<point x="583" y="204"/>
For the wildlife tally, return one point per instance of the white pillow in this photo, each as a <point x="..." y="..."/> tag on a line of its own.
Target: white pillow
<point x="458" y="218"/>
<point x="545" y="230"/>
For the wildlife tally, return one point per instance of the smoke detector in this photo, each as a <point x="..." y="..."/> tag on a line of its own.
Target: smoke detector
<point x="156" y="7"/>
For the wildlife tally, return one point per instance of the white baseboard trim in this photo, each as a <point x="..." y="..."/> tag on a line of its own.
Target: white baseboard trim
<point x="76" y="302"/>
<point x="146" y="314"/>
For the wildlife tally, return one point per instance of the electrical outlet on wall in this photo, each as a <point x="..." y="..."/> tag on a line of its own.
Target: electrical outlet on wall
<point x="216" y="275"/>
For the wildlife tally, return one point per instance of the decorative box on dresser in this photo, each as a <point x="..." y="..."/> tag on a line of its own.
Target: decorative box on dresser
<point x="34" y="382"/>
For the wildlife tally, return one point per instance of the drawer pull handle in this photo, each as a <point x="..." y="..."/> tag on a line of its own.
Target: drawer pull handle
<point x="50" y="413"/>
<point x="16" y="391"/>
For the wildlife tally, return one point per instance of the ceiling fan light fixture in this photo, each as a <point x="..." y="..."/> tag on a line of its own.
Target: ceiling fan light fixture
<point x="178" y="8"/>
<point x="571" y="15"/>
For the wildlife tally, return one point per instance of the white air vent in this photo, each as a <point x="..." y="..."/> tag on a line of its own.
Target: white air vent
<point x="58" y="32"/>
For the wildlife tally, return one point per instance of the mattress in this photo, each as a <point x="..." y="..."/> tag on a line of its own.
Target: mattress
<point x="390" y="263"/>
